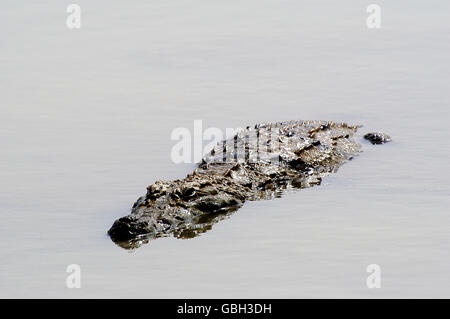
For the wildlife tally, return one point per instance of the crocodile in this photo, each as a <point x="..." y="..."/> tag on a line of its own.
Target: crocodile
<point x="260" y="162"/>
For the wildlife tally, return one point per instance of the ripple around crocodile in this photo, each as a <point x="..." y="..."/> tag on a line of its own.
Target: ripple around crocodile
<point x="260" y="162"/>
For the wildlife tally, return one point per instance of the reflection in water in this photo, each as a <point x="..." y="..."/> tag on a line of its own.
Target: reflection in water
<point x="187" y="231"/>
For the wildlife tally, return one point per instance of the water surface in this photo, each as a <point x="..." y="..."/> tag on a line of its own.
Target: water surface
<point x="85" y="123"/>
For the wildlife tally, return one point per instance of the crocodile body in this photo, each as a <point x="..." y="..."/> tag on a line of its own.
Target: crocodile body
<point x="260" y="162"/>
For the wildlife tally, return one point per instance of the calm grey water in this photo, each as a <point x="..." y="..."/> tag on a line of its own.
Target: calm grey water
<point x="85" y="123"/>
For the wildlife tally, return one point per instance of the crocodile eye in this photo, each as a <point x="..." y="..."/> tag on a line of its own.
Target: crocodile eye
<point x="289" y="134"/>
